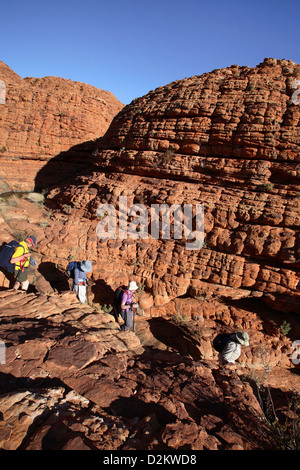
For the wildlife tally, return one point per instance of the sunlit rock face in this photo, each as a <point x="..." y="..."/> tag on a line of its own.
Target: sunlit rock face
<point x="40" y="118"/>
<point x="228" y="139"/>
<point x="71" y="379"/>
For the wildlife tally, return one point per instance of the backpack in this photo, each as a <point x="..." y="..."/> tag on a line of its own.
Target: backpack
<point x="220" y="341"/>
<point x="118" y="297"/>
<point x="70" y="269"/>
<point x="6" y="254"/>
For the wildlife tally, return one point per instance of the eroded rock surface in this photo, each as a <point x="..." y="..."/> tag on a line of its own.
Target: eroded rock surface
<point x="228" y="139"/>
<point x="40" y="119"/>
<point x="73" y="380"/>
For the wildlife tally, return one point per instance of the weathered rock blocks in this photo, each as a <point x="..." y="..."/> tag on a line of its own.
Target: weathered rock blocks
<point x="228" y="139"/>
<point x="72" y="382"/>
<point x="43" y="117"/>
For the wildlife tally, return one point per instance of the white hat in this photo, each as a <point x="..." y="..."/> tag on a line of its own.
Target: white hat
<point x="132" y="286"/>
<point x="243" y="338"/>
<point x="86" y="266"/>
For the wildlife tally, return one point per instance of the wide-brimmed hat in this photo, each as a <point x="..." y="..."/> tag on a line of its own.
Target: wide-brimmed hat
<point x="133" y="286"/>
<point x="243" y="338"/>
<point x="32" y="240"/>
<point x="86" y="266"/>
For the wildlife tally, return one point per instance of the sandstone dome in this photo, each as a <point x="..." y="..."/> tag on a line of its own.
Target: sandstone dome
<point x="230" y="140"/>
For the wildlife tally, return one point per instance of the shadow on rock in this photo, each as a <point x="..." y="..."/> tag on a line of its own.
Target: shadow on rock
<point x="132" y="407"/>
<point x="65" y="167"/>
<point x="58" y="280"/>
<point x="103" y="294"/>
<point x="10" y="277"/>
<point x="11" y="383"/>
<point x="175" y="336"/>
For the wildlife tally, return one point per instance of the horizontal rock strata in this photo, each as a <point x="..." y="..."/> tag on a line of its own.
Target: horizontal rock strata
<point x="228" y="139"/>
<point x="40" y="119"/>
<point x="72" y="380"/>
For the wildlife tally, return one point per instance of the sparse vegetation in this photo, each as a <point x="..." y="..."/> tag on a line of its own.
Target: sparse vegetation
<point x="167" y="156"/>
<point x="141" y="286"/>
<point x="20" y="235"/>
<point x="12" y="201"/>
<point x="67" y="208"/>
<point x="284" y="433"/>
<point x="269" y="186"/>
<point x="44" y="223"/>
<point x="285" y="328"/>
<point x="50" y="214"/>
<point x="106" y="308"/>
<point x="181" y="319"/>
<point x="101" y="214"/>
<point x="136" y="263"/>
<point x="281" y="427"/>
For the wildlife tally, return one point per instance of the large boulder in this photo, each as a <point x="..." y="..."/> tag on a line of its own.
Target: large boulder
<point x="41" y="118"/>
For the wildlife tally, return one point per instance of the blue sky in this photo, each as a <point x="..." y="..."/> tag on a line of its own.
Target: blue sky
<point x="130" y="47"/>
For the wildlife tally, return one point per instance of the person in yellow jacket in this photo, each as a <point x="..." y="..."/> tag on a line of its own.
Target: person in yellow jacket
<point x="21" y="260"/>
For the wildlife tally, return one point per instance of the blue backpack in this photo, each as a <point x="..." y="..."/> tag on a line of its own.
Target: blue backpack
<point x="6" y="254"/>
<point x="70" y="269"/>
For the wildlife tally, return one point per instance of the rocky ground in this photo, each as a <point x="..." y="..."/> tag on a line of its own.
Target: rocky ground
<point x="73" y="380"/>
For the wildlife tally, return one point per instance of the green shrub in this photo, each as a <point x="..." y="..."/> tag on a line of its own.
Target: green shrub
<point x="285" y="328"/>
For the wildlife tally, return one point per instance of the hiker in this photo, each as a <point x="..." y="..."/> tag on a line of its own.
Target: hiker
<point x="78" y="271"/>
<point x="233" y="347"/>
<point x="21" y="260"/>
<point x="127" y="304"/>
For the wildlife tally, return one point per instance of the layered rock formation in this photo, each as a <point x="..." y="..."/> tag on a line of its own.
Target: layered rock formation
<point x="228" y="139"/>
<point x="40" y="119"/>
<point x="73" y="380"/>
<point x="194" y="319"/>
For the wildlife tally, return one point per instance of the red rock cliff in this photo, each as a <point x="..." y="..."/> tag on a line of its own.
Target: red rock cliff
<point x="43" y="117"/>
<point x="228" y="139"/>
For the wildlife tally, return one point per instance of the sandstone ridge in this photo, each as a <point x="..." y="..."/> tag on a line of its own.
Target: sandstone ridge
<point x="42" y="118"/>
<point x="228" y="139"/>
<point x="72" y="380"/>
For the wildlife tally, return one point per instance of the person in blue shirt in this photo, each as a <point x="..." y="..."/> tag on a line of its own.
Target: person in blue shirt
<point x="80" y="281"/>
